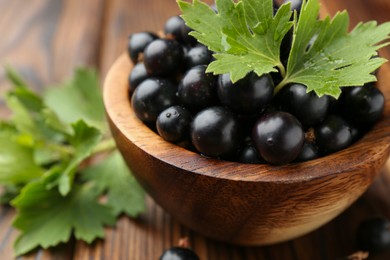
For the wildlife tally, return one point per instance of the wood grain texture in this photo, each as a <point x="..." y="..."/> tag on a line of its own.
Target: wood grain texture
<point x="108" y="23"/>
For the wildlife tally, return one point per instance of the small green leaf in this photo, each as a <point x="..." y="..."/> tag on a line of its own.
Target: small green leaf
<point x="245" y="35"/>
<point x="336" y="58"/>
<point x="113" y="177"/>
<point x="15" y="78"/>
<point x="84" y="140"/>
<point x="80" y="98"/>
<point x="46" y="218"/>
<point x="17" y="164"/>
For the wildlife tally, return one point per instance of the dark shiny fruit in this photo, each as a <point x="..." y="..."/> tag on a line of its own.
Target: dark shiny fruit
<point x="307" y="107"/>
<point x="151" y="97"/>
<point x="163" y="57"/>
<point x="198" y="89"/>
<point x="248" y="154"/>
<point x="333" y="134"/>
<point x="215" y="132"/>
<point x="179" y="253"/>
<point x="173" y="124"/>
<point x="176" y="28"/>
<point x="309" y="152"/>
<point x="373" y="235"/>
<point x="278" y="137"/>
<point x="198" y="55"/>
<point x="363" y="105"/>
<point x="137" y="75"/>
<point x="296" y="5"/>
<point x="249" y="95"/>
<point x="138" y="42"/>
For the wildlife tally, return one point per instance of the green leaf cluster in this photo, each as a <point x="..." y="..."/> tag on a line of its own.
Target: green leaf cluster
<point x="246" y="36"/>
<point x="44" y="146"/>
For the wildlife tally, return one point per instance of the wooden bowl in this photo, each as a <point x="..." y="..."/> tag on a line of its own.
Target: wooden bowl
<point x="240" y="203"/>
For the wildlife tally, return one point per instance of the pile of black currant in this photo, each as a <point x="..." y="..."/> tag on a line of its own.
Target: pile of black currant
<point x="171" y="92"/>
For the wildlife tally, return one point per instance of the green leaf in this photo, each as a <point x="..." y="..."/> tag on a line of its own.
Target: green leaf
<point x="245" y="35"/>
<point x="84" y="140"/>
<point x="15" y="78"/>
<point x="80" y="98"/>
<point x="336" y="58"/>
<point x="123" y="192"/>
<point x="46" y="218"/>
<point x="17" y="164"/>
<point x="9" y="193"/>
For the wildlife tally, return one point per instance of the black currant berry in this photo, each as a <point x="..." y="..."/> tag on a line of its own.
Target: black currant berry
<point x="307" y="107"/>
<point x="198" y="89"/>
<point x="215" y="132"/>
<point x="278" y="137"/>
<point x="309" y="152"/>
<point x="249" y="95"/>
<point x="173" y="124"/>
<point x="137" y="75"/>
<point x="363" y="105"/>
<point x="163" y="57"/>
<point x="248" y="154"/>
<point x="176" y="28"/>
<point x="151" y="97"/>
<point x="198" y="55"/>
<point x="138" y="42"/>
<point x="179" y="253"/>
<point x="333" y="134"/>
<point x="296" y="5"/>
<point x="373" y="235"/>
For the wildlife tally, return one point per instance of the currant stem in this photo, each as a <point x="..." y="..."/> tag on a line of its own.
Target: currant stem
<point x="105" y="146"/>
<point x="279" y="87"/>
<point x="282" y="69"/>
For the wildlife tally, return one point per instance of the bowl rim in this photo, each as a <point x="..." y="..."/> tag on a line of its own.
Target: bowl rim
<point x="373" y="148"/>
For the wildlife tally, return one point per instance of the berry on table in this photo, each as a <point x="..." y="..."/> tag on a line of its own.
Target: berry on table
<point x="373" y="235"/>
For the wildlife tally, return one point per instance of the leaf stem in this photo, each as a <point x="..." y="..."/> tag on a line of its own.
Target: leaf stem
<point x="279" y="87"/>
<point x="104" y="146"/>
<point x="64" y="150"/>
<point x="282" y="69"/>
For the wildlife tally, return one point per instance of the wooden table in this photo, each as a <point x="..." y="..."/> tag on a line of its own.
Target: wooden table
<point x="45" y="40"/>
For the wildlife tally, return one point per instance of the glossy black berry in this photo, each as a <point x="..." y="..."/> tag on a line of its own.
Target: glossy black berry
<point x="198" y="55"/>
<point x="198" y="89"/>
<point x="248" y="154"/>
<point x="278" y="137"/>
<point x="138" y="42"/>
<point x="163" y="57"/>
<point x="137" y="75"/>
<point x="307" y="107"/>
<point x="176" y="28"/>
<point x="309" y="152"/>
<point x="373" y="235"/>
<point x="249" y="95"/>
<point x="215" y="132"/>
<point x="179" y="253"/>
<point x="296" y="5"/>
<point x="363" y="105"/>
<point x="151" y="97"/>
<point x="333" y="134"/>
<point x="173" y="124"/>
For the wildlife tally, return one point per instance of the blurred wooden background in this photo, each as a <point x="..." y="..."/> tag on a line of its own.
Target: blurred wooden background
<point x="45" y="40"/>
